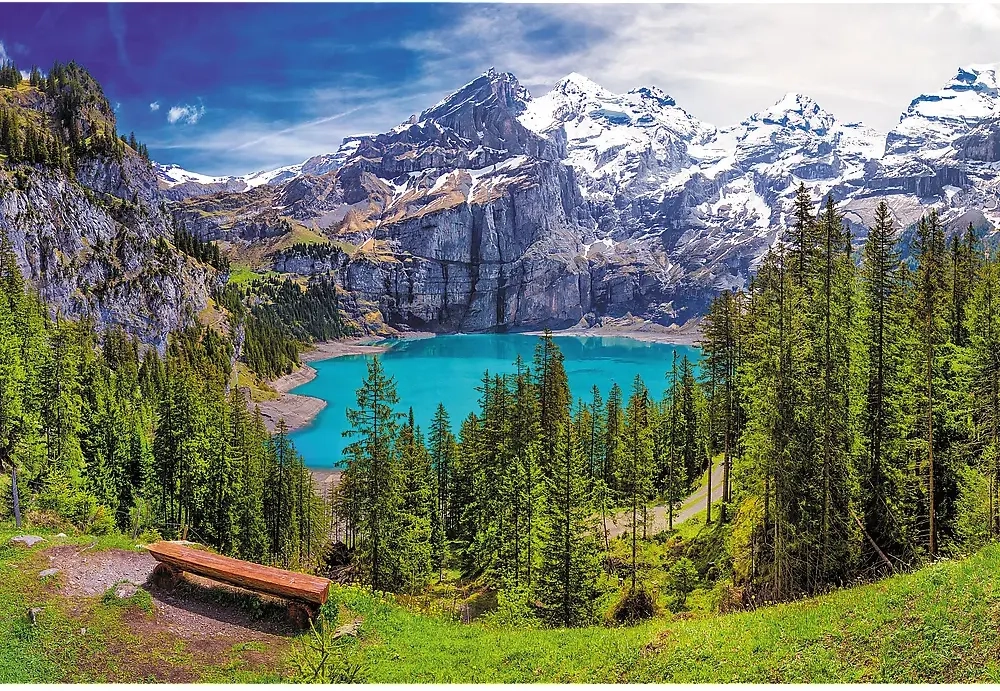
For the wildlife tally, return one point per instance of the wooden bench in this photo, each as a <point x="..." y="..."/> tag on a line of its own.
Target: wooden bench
<point x="306" y="593"/>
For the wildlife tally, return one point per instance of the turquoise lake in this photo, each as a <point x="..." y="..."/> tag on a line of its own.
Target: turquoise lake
<point x="447" y="369"/>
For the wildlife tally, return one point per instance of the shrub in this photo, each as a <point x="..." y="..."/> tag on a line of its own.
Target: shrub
<point x="683" y="578"/>
<point x="513" y="610"/>
<point x="100" y="521"/>
<point x="633" y="606"/>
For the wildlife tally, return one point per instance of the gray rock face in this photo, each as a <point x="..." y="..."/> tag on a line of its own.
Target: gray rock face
<point x="47" y="573"/>
<point x="90" y="247"/>
<point x="493" y="211"/>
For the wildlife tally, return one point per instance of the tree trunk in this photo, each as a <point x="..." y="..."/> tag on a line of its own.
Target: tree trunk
<point x="930" y="437"/>
<point x="17" y="501"/>
<point x="708" y="494"/>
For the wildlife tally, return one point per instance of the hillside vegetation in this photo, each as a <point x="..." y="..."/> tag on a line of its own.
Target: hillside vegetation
<point x="937" y="624"/>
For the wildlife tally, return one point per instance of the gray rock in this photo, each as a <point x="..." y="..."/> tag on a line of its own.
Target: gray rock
<point x="125" y="590"/>
<point x="27" y="540"/>
<point x="90" y="247"/>
<point x="48" y="572"/>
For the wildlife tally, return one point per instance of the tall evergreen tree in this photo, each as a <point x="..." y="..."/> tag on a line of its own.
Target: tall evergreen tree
<point x="375" y="476"/>
<point x="568" y="583"/>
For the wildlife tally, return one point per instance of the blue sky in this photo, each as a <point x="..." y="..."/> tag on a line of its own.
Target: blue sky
<point x="226" y="89"/>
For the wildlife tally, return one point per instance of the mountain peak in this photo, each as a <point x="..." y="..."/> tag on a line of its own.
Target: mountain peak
<point x="981" y="78"/>
<point x="654" y="93"/>
<point x="796" y="111"/>
<point x="574" y="82"/>
<point x="491" y="87"/>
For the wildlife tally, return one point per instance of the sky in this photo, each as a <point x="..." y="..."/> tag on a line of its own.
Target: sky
<point x="227" y="89"/>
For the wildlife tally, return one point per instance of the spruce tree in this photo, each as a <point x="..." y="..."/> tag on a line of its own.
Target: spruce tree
<point x="568" y="582"/>
<point x="373" y="473"/>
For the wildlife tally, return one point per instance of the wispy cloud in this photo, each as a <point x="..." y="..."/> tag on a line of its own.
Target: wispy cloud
<point x="248" y="143"/>
<point x="721" y="63"/>
<point x="296" y="128"/>
<point x="185" y="114"/>
<point x="4" y="56"/>
<point x="116" y="21"/>
<point x="725" y="62"/>
<point x="154" y="106"/>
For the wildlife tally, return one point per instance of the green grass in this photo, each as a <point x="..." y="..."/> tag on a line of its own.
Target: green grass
<point x="240" y="274"/>
<point x="938" y="624"/>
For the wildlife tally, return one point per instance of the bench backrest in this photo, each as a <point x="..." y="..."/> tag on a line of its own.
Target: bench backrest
<point x="265" y="579"/>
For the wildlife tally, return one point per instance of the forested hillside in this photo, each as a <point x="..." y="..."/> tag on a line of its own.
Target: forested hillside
<point x="850" y="398"/>
<point x="95" y="433"/>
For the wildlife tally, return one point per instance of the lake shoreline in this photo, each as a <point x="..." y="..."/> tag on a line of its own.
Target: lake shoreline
<point x="688" y="333"/>
<point x="299" y="411"/>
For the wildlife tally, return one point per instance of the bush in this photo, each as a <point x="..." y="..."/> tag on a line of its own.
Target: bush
<point x="324" y="658"/>
<point x="48" y="520"/>
<point x="141" y="518"/>
<point x="100" y="521"/>
<point x="634" y="606"/>
<point x="513" y="610"/>
<point x="683" y="578"/>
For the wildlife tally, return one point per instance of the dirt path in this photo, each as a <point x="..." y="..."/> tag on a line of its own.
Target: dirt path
<point x="209" y="617"/>
<point x="657" y="515"/>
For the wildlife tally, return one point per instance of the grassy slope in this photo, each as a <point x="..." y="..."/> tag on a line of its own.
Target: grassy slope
<point x="939" y="624"/>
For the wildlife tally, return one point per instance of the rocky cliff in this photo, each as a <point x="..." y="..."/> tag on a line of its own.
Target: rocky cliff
<point x="493" y="210"/>
<point x="87" y="222"/>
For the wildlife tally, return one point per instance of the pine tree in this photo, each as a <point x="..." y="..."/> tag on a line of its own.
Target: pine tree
<point x="568" y="582"/>
<point x="372" y="471"/>
<point x="636" y="469"/>
<point x="983" y="326"/>
<point x="553" y="394"/>
<point x="931" y="287"/>
<point x="442" y="451"/>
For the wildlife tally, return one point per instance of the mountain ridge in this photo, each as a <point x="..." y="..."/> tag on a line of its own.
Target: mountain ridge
<point x="625" y="203"/>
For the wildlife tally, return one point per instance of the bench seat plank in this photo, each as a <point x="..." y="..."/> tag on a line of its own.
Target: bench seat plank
<point x="265" y="579"/>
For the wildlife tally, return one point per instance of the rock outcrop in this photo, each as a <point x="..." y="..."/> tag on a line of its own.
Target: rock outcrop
<point x="94" y="236"/>
<point x="492" y="210"/>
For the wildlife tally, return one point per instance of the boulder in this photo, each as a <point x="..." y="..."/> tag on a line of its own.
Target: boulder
<point x="48" y="572"/>
<point x="125" y="590"/>
<point x="26" y="540"/>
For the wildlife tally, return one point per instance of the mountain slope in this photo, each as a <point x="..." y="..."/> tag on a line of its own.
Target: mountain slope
<point x="81" y="210"/>
<point x="496" y="210"/>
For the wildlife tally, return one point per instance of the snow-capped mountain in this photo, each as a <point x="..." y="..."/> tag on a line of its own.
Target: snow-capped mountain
<point x="493" y="209"/>
<point x="618" y="141"/>
<point x="177" y="183"/>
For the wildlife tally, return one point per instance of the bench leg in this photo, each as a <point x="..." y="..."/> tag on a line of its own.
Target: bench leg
<point x="165" y="577"/>
<point x="300" y="614"/>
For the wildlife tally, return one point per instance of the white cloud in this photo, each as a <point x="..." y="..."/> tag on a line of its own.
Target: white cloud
<point x="186" y="114"/>
<point x="724" y="62"/>
<point x="154" y="106"/>
<point x="4" y="56"/>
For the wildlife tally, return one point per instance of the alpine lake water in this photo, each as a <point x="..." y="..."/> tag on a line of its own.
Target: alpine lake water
<point x="449" y="369"/>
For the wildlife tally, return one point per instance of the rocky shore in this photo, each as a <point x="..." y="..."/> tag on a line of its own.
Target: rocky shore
<point x="636" y="328"/>
<point x="298" y="411"/>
